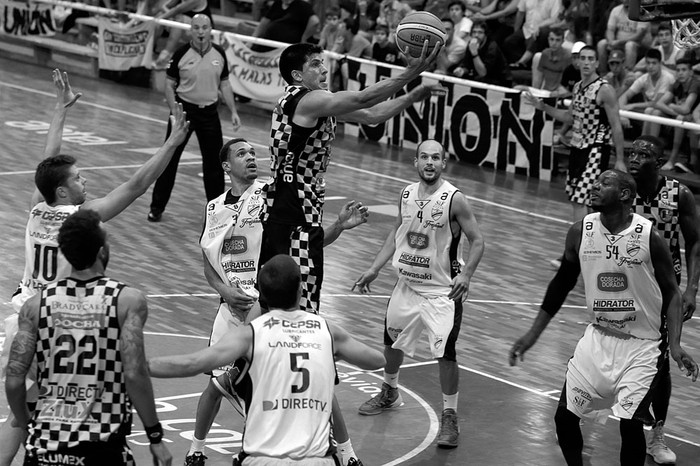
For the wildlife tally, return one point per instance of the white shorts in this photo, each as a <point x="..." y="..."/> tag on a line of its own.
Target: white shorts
<point x="224" y="322"/>
<point x="612" y="371"/>
<point x="408" y="313"/>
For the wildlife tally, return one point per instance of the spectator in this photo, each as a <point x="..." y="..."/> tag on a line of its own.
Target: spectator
<point x="453" y="51"/>
<point x="669" y="52"/>
<point x="532" y="20"/>
<point x="462" y="24"/>
<point x="384" y="50"/>
<point x="363" y="16"/>
<point x="391" y="12"/>
<point x="625" y="34"/>
<point x="484" y="60"/>
<point x="680" y="103"/>
<point x="335" y="37"/>
<point x="652" y="85"/>
<point x="618" y="77"/>
<point x="288" y="21"/>
<point x="549" y="65"/>
<point x="571" y="74"/>
<point x="500" y="17"/>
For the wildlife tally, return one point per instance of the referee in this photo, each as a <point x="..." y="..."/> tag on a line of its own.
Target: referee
<point x="197" y="72"/>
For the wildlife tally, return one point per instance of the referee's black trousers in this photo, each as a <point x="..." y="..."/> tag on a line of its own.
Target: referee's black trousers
<point x="205" y="123"/>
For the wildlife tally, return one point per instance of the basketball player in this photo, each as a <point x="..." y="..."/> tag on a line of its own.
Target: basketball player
<point x="291" y="355"/>
<point x="230" y="244"/>
<point x="61" y="191"/>
<point x="670" y="206"/>
<point x="595" y="116"/>
<point x="86" y="332"/>
<point x="628" y="277"/>
<point x="302" y="130"/>
<point x="425" y="244"/>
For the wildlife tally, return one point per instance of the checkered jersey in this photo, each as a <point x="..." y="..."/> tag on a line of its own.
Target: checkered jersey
<point x="590" y="126"/>
<point x="662" y="210"/>
<point x="302" y="162"/>
<point x="82" y="391"/>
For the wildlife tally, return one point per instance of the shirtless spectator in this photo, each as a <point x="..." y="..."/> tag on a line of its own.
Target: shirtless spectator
<point x="625" y="34"/>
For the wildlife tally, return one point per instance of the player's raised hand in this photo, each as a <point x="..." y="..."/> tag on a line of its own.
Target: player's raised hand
<point x="352" y="214"/>
<point x="426" y="59"/>
<point x="179" y="125"/>
<point x="161" y="454"/>
<point x="64" y="93"/>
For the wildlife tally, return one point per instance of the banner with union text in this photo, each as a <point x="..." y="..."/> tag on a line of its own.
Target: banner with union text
<point x="27" y="19"/>
<point x="122" y="47"/>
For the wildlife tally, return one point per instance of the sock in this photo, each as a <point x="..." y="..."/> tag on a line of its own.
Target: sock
<point x="392" y="379"/>
<point x="197" y="445"/>
<point x="450" y="401"/>
<point x="346" y="451"/>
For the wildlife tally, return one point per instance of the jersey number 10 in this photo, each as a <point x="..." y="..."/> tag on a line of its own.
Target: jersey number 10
<point x="46" y="262"/>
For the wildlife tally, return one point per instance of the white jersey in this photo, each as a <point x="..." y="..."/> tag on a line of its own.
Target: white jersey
<point x="428" y="253"/>
<point x="292" y="372"/>
<point x="43" y="261"/>
<point x="621" y="290"/>
<point x="232" y="236"/>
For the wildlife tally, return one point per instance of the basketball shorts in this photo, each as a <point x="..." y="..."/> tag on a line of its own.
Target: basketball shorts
<point x="224" y="322"/>
<point x="408" y="313"/>
<point x="305" y="245"/>
<point x="612" y="371"/>
<point x="585" y="166"/>
<point x="86" y="454"/>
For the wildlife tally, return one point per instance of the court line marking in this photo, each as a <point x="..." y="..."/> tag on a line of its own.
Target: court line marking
<point x="348" y="167"/>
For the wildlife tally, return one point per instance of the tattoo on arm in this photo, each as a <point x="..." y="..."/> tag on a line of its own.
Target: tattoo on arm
<point x="23" y="347"/>
<point x="132" y="337"/>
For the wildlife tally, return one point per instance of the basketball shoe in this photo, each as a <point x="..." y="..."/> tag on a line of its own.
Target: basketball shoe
<point x="449" y="429"/>
<point x="226" y="384"/>
<point x="386" y="399"/>
<point x="656" y="445"/>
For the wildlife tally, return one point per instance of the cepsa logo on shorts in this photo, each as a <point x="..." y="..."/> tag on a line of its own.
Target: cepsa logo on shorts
<point x="612" y="282"/>
<point x="417" y="240"/>
<point x="235" y="245"/>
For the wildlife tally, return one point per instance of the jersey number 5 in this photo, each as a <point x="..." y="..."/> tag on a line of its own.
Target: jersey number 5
<point x="294" y="364"/>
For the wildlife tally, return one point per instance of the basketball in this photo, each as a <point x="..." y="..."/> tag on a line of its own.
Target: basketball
<point x="415" y="29"/>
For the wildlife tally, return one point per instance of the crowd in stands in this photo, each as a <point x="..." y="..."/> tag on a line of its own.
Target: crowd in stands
<point x="530" y="45"/>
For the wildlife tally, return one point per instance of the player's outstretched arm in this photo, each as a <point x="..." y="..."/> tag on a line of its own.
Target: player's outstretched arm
<point x="384" y="254"/>
<point x="65" y="98"/>
<point x="352" y="214"/>
<point x="690" y="224"/>
<point x="355" y="352"/>
<point x="319" y="104"/>
<point x="22" y="353"/>
<point x="462" y="213"/>
<point x="119" y="199"/>
<point x="236" y="345"/>
<point x="382" y="111"/>
<point x="557" y="291"/>
<point x="608" y="100"/>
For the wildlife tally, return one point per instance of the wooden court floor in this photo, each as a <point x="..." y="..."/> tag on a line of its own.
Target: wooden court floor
<point x="505" y="413"/>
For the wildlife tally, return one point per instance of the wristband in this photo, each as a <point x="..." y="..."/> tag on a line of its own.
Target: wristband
<point x="155" y="433"/>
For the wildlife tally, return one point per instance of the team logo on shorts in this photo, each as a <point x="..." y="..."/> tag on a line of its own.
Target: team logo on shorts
<point x="626" y="404"/>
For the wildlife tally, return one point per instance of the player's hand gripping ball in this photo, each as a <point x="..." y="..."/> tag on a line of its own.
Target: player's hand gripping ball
<point x="415" y="29"/>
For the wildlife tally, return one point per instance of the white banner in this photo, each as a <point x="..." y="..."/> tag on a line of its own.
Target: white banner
<point x="253" y="74"/>
<point x="27" y="19"/>
<point x="122" y="48"/>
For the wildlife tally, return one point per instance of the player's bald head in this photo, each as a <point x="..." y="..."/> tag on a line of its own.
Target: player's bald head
<point x="201" y="20"/>
<point x="279" y="281"/>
